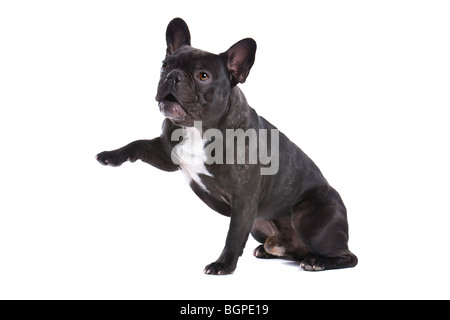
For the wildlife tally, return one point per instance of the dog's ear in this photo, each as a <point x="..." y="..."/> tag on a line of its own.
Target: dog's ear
<point x="239" y="60"/>
<point x="177" y="35"/>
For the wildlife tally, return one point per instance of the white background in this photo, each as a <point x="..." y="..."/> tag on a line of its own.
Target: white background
<point x="361" y="86"/>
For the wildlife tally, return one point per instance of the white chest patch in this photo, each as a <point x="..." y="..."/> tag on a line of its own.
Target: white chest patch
<point x="189" y="154"/>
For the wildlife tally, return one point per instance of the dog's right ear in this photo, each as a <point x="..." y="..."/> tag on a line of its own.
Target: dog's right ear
<point x="177" y="35"/>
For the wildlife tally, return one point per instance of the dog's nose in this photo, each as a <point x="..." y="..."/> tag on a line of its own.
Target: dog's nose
<point x="174" y="77"/>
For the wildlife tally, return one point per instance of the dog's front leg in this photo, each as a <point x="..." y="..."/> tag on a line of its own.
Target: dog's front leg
<point x="149" y="151"/>
<point x="242" y="218"/>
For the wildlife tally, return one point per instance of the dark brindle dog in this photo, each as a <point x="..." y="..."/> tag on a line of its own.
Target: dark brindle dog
<point x="293" y="211"/>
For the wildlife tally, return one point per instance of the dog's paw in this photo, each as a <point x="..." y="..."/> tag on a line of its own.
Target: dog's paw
<point x="313" y="264"/>
<point x="111" y="158"/>
<point x="218" y="268"/>
<point x="261" y="253"/>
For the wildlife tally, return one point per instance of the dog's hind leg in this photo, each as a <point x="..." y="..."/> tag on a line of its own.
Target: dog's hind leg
<point x="261" y="231"/>
<point x="278" y="239"/>
<point x="320" y="221"/>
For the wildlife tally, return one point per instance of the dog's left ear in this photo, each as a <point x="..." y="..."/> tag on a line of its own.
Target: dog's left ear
<point x="239" y="60"/>
<point x="177" y="35"/>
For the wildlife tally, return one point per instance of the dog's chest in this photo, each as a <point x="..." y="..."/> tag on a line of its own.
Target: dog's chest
<point x="190" y="154"/>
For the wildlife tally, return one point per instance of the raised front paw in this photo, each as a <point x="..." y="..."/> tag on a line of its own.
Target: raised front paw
<point x="218" y="268"/>
<point x="111" y="158"/>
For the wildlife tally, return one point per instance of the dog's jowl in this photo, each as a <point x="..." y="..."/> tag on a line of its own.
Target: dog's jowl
<point x="238" y="163"/>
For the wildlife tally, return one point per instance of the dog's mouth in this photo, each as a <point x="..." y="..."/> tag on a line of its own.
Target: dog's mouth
<point x="171" y="108"/>
<point x="171" y="98"/>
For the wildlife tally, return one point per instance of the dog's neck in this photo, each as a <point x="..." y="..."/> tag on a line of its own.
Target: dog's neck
<point x="237" y="114"/>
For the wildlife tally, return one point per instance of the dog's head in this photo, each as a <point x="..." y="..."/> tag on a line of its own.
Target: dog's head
<point x="195" y="85"/>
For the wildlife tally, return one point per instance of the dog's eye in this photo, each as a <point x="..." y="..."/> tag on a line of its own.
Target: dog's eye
<point x="203" y="76"/>
<point x="164" y="66"/>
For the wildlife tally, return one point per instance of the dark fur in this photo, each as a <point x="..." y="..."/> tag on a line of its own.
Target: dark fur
<point x="293" y="213"/>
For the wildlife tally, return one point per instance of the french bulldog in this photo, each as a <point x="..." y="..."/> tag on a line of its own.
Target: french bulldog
<point x="289" y="208"/>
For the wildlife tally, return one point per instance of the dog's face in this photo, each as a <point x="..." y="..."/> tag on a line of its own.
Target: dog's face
<point x="195" y="85"/>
